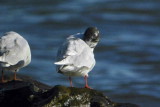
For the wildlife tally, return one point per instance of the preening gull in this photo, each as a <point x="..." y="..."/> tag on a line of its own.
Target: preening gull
<point x="14" y="53"/>
<point x="75" y="57"/>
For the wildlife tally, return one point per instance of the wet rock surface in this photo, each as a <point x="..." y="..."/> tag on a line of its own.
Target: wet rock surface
<point x="30" y="93"/>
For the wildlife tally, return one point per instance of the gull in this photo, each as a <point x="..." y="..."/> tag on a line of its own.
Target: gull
<point x="14" y="53"/>
<point x="75" y="56"/>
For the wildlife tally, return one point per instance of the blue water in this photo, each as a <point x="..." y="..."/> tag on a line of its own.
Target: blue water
<point x="128" y="55"/>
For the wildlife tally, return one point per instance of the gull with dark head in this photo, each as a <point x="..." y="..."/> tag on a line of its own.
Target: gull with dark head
<point x="75" y="57"/>
<point x="14" y="53"/>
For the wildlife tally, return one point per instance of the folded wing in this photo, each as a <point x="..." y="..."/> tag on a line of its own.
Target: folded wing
<point x="13" y="49"/>
<point x="75" y="51"/>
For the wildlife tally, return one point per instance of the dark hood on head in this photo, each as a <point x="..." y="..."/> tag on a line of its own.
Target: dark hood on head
<point x="91" y="36"/>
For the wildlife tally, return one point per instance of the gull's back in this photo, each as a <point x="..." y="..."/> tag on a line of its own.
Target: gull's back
<point x="14" y="49"/>
<point x="77" y="53"/>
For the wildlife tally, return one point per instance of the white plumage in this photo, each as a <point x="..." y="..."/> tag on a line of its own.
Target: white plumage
<point x="14" y="52"/>
<point x="75" y="57"/>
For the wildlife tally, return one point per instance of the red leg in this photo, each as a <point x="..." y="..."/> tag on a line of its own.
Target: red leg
<point x="2" y="77"/>
<point x="70" y="80"/>
<point x="86" y="82"/>
<point x="15" y="76"/>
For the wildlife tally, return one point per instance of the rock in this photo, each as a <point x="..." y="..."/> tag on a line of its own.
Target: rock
<point x="70" y="96"/>
<point x="35" y="94"/>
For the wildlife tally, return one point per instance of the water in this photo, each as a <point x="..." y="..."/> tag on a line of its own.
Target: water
<point x="128" y="55"/>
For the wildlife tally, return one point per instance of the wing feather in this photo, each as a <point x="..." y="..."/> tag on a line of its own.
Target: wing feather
<point x="75" y="51"/>
<point x="14" y="48"/>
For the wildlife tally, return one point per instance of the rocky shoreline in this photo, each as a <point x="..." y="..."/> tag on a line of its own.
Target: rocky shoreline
<point x="31" y="93"/>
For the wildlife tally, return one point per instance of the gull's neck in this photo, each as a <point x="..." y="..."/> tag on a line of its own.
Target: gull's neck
<point x="81" y="35"/>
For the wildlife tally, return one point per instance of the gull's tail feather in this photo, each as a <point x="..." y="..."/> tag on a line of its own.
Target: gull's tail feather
<point x="2" y="59"/>
<point x="62" y="62"/>
<point x="4" y="64"/>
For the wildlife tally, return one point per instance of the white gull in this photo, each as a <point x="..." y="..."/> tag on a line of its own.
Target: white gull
<point x="14" y="53"/>
<point x="75" y="57"/>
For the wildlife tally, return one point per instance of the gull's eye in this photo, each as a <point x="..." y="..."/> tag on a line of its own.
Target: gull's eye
<point x="96" y="33"/>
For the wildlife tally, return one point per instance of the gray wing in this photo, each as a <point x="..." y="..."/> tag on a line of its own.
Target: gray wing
<point x="75" y="52"/>
<point x="14" y="48"/>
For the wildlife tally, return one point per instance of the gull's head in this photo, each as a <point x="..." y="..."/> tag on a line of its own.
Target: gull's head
<point x="91" y="36"/>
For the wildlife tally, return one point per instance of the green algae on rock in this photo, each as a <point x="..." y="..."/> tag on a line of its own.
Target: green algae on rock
<point x="77" y="97"/>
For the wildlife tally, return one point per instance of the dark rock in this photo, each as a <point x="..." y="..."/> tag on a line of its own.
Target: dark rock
<point x="35" y="94"/>
<point x="64" y="96"/>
